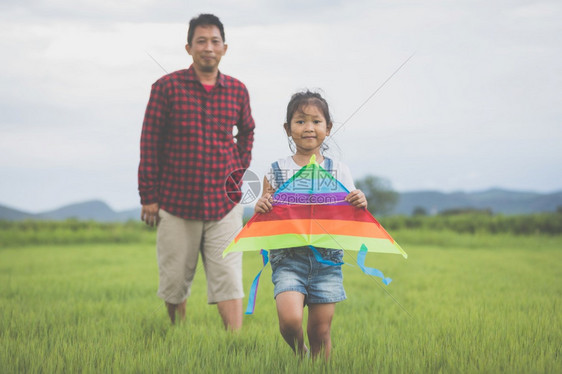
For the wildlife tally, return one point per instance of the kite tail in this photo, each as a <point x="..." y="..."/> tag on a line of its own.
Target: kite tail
<point x="367" y="270"/>
<point x="320" y="259"/>
<point x="254" y="289"/>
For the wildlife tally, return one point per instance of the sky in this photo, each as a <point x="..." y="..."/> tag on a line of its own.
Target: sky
<point x="439" y="95"/>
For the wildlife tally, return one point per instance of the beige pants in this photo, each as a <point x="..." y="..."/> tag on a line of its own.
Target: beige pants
<point x="178" y="245"/>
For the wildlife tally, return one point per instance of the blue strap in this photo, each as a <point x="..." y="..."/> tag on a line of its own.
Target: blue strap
<point x="370" y="271"/>
<point x="328" y="165"/>
<point x="254" y="289"/>
<point x="320" y="259"/>
<point x="277" y="174"/>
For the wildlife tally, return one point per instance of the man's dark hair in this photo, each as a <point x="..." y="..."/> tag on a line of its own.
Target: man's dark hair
<point x="204" y="20"/>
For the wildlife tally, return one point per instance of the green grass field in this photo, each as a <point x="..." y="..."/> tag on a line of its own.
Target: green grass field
<point x="460" y="303"/>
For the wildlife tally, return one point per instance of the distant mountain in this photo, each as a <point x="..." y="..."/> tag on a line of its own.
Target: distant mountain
<point x="497" y="200"/>
<point x="129" y="215"/>
<point x="94" y="210"/>
<point x="90" y="210"/>
<point x="10" y="214"/>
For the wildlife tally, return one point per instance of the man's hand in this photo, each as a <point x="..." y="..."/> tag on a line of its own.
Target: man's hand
<point x="357" y="199"/>
<point x="149" y="214"/>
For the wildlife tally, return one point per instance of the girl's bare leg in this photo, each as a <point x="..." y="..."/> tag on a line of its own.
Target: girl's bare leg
<point x="319" y="325"/>
<point x="290" y="306"/>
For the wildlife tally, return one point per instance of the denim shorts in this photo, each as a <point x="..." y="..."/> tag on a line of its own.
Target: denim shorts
<point x="296" y="269"/>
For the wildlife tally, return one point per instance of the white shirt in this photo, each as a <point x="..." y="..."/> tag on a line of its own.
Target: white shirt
<point x="289" y="167"/>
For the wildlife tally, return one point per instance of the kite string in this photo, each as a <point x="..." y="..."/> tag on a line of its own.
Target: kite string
<point x="327" y="203"/>
<point x="373" y="94"/>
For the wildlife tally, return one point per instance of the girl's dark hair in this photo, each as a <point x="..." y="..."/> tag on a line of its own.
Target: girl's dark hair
<point x="305" y="98"/>
<point x="301" y="100"/>
<point x="204" y="20"/>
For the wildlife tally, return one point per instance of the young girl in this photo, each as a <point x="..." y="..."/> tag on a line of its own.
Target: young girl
<point x="299" y="279"/>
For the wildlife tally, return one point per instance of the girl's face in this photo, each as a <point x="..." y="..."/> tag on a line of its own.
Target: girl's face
<point x="308" y="128"/>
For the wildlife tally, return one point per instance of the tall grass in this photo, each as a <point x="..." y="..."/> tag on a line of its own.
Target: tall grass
<point x="481" y="223"/>
<point x="31" y="232"/>
<point x="474" y="304"/>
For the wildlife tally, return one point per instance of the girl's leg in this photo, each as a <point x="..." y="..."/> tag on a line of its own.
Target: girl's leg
<point x="290" y="306"/>
<point x="319" y="324"/>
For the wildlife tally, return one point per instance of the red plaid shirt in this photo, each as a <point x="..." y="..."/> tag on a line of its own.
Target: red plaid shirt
<point x="187" y="145"/>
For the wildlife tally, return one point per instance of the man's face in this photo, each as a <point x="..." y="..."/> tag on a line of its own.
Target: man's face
<point x="207" y="48"/>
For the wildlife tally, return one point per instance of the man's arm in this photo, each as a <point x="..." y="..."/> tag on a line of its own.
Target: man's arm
<point x="155" y="119"/>
<point x="245" y="136"/>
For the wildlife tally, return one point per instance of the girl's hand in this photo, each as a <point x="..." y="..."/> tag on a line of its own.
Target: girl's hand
<point x="263" y="204"/>
<point x="357" y="199"/>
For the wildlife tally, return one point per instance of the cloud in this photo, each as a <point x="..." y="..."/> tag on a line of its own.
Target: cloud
<point x="231" y="12"/>
<point x="473" y="108"/>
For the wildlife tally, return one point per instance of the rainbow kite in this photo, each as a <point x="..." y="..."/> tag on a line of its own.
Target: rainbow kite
<point x="309" y="210"/>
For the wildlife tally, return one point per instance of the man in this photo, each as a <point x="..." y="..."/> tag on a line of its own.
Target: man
<point x="188" y="153"/>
